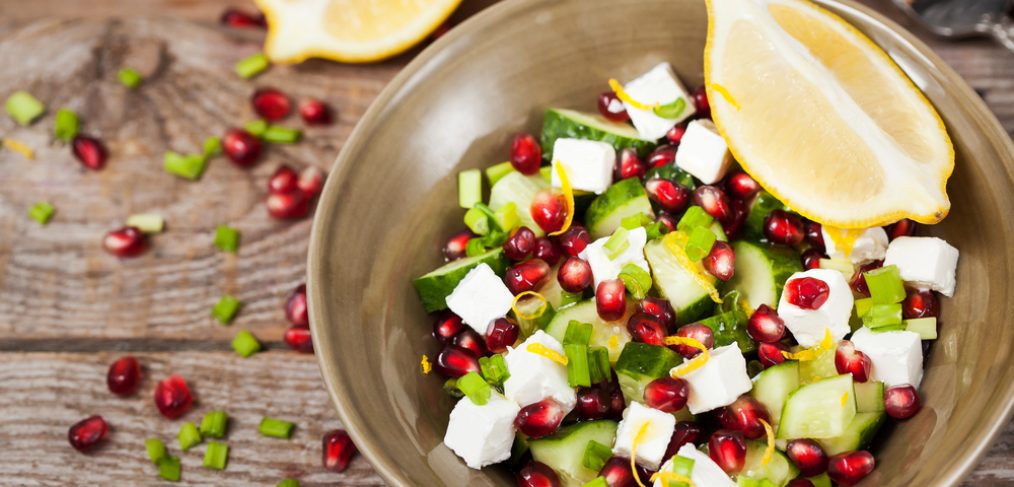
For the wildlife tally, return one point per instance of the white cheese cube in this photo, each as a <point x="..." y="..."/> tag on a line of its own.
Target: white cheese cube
<point x="534" y="377"/>
<point x="703" y="152"/>
<point x="589" y="164"/>
<point x="925" y="262"/>
<point x="808" y="325"/>
<point x="480" y="298"/>
<point x="705" y="472"/>
<point x="651" y="444"/>
<point x="869" y="246"/>
<point x="482" y="435"/>
<point x="720" y="381"/>
<point x="896" y="355"/>
<point x="659" y="85"/>
<point x="603" y="268"/>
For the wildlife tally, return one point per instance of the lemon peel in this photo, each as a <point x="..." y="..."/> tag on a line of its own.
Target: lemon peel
<point x="540" y="349"/>
<point x="769" y="451"/>
<point x="809" y="354"/>
<point x="538" y="312"/>
<point x="568" y="196"/>
<point x="694" y="363"/>
<point x="675" y="241"/>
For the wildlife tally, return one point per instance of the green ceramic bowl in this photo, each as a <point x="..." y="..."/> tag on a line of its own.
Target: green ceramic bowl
<point x="390" y="203"/>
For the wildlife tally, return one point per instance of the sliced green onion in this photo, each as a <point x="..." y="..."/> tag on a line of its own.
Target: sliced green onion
<point x="226" y="238"/>
<point x="881" y="315"/>
<point x="256" y="128"/>
<point x="747" y="482"/>
<point x="474" y="247"/>
<point x="671" y="111"/>
<point x="569" y="298"/>
<point x="169" y="468"/>
<point x="469" y="188"/>
<point x="213" y="424"/>
<point x="636" y="280"/>
<point x="41" y="212"/>
<point x="767" y="483"/>
<point x="225" y="309"/>
<point x="477" y="221"/>
<point x="288" y="483"/>
<point x="578" y="333"/>
<point x="189" y="435"/>
<point x="216" y="455"/>
<point x="147" y="222"/>
<point x="473" y="386"/>
<point x="617" y="243"/>
<point x="507" y="217"/>
<point x="694" y="217"/>
<point x="598" y="365"/>
<point x="212" y="146"/>
<point x="596" y="455"/>
<point x="655" y="231"/>
<point x="682" y="466"/>
<point x="245" y="344"/>
<point x="189" y="166"/>
<point x="129" y="77"/>
<point x="66" y="125"/>
<point x="636" y="220"/>
<point x="925" y="327"/>
<point x="155" y="448"/>
<point x="863" y="306"/>
<point x="885" y="285"/>
<point x="251" y="66"/>
<point x="699" y="243"/>
<point x="451" y="388"/>
<point x="496" y="172"/>
<point x="494" y="369"/>
<point x="601" y="482"/>
<point x="276" y="134"/>
<point x="276" y="428"/>
<point x="24" y="108"/>
<point x="577" y="365"/>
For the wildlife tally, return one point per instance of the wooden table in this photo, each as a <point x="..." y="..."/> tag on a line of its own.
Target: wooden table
<point x="67" y="309"/>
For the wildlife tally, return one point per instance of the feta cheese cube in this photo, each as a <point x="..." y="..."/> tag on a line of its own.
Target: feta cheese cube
<point x="896" y="355"/>
<point x="659" y="85"/>
<point x="869" y="246"/>
<point x="703" y="152"/>
<point x="534" y="377"/>
<point x="482" y="435"/>
<point x="926" y="262"/>
<point x="604" y="268"/>
<point x="589" y="164"/>
<point x="651" y="445"/>
<point x="721" y="380"/>
<point x="808" y="325"/>
<point x="705" y="472"/>
<point x="480" y="298"/>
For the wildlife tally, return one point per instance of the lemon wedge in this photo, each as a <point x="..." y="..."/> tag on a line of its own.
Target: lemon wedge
<point x="822" y="117"/>
<point x="353" y="31"/>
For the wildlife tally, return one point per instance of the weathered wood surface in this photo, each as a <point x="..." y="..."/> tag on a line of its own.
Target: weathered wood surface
<point x="67" y="309"/>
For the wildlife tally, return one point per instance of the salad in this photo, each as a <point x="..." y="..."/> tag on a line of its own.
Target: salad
<point x="627" y="312"/>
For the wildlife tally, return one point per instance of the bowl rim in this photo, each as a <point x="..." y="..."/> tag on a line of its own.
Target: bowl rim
<point x="383" y="464"/>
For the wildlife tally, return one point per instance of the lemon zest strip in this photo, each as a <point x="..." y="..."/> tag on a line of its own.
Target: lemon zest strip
<point x="673" y="241"/>
<point x="538" y="313"/>
<point x="540" y="349"/>
<point x="666" y="477"/>
<point x="20" y="148"/>
<point x="722" y="90"/>
<point x="633" y="449"/>
<point x="808" y="354"/>
<point x="693" y="364"/>
<point x="425" y="365"/>
<point x="614" y="342"/>
<point x="624" y="96"/>
<point x="844" y="398"/>
<point x="568" y="196"/>
<point x="769" y="452"/>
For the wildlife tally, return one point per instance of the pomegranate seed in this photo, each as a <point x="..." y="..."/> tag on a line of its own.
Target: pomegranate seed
<point x="549" y="210"/>
<point x="848" y="360"/>
<point x="520" y="244"/>
<point x="288" y="206"/>
<point x="454" y="249"/>
<point x="242" y="148"/>
<point x="526" y="276"/>
<point x="575" y="275"/>
<point x="807" y="292"/>
<point x="901" y="402"/>
<point x="296" y="310"/>
<point x="124" y="376"/>
<point x="526" y="154"/>
<point x="233" y="17"/>
<point x="902" y="228"/>
<point x="617" y="473"/>
<point x="745" y="415"/>
<point x="662" y="155"/>
<point x="315" y="112"/>
<point x="811" y="258"/>
<point x="728" y="449"/>
<point x="446" y="326"/>
<point x="87" y="433"/>
<point x="455" y="362"/>
<point x="770" y="354"/>
<point x="784" y="228"/>
<point x="89" y="151"/>
<point x="675" y="134"/>
<point x="616" y="402"/>
<point x="734" y="224"/>
<point x="574" y="240"/>
<point x="858" y="280"/>
<point x="644" y="328"/>
<point x="629" y="165"/>
<point x="667" y="220"/>
<point x="685" y="433"/>
<point x="701" y="102"/>
<point x="124" y="242"/>
<point x="470" y="340"/>
<point x="698" y="332"/>
<point x="284" y="180"/>
<point x="611" y="299"/>
<point x="546" y="250"/>
<point x="540" y="419"/>
<point x="172" y="397"/>
<point x="311" y="181"/>
<point x="501" y="333"/>
<point x="298" y="338"/>
<point x="714" y="202"/>
<point x="741" y="186"/>
<point x="807" y="456"/>
<point x="670" y="196"/>
<point x="666" y="394"/>
<point x="850" y="468"/>
<point x="921" y="304"/>
<point x="592" y="403"/>
<point x="537" y="474"/>
<point x="800" y="482"/>
<point x="271" y="104"/>
<point x="813" y="235"/>
<point x="337" y="450"/>
<point x="721" y="261"/>
<point x="660" y="309"/>
<point x="765" y="326"/>
<point x="612" y="108"/>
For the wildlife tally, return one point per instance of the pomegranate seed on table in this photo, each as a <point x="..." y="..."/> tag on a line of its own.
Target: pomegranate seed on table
<point x="296" y="310"/>
<point x="660" y="308"/>
<point x="526" y="276"/>
<point x="592" y="403"/>
<point x="612" y="108"/>
<point x="519" y="244"/>
<point x="574" y="275"/>
<point x="315" y="112"/>
<point x="744" y="415"/>
<point x="807" y="292"/>
<point x="901" y="228"/>
<point x="234" y="17"/>
<point x="714" y="201"/>
<point x="630" y="165"/>
<point x="124" y="242"/>
<point x="549" y="210"/>
<point x="87" y="433"/>
<point x="701" y="103"/>
<point x="901" y="402"/>
<point x="666" y="394"/>
<point x="617" y="473"/>
<point x="698" y="332"/>
<point x="782" y="227"/>
<point x="124" y="376"/>
<point x="672" y="197"/>
<point x="800" y="482"/>
<point x="453" y="362"/>
<point x="470" y="340"/>
<point x="337" y="451"/>
<point x="284" y="180"/>
<point x="685" y="433"/>
<point x="741" y="186"/>
<point x="662" y="155"/>
<point x="728" y="449"/>
<point x="849" y="468"/>
<point x="298" y="338"/>
<point x="765" y="325"/>
<point x="811" y="258"/>
<point x="454" y="249"/>
<point x="172" y="397"/>
<point x="611" y="299"/>
<point x="721" y="261"/>
<point x="920" y="304"/>
<point x="574" y="240"/>
<point x="289" y="206"/>
<point x="446" y="326"/>
<point x="540" y="419"/>
<point x="848" y="360"/>
<point x="526" y="154"/>
<point x="858" y="280"/>
<point x="770" y="354"/>
<point x="807" y="456"/>
<point x="537" y="474"/>
<point x="270" y="104"/>
<point x="501" y="333"/>
<point x="645" y="328"/>
<point x="675" y="134"/>
<point x="667" y="220"/>
<point x="241" y="147"/>
<point x="311" y="181"/>
<point x="546" y="250"/>
<point x="89" y="151"/>
<point x="813" y="234"/>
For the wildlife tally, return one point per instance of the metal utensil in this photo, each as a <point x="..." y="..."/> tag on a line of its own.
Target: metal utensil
<point x="964" y="18"/>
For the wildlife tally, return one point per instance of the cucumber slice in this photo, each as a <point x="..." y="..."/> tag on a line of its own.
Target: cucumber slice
<point x="673" y="173"/>
<point x="858" y="434"/>
<point x="773" y="386"/>
<point x="560" y="123"/>
<point x="639" y="364"/>
<point x="434" y="287"/>
<point x="823" y="409"/>
<point x="619" y="201"/>
<point x="564" y="451"/>
<point x="518" y="450"/>
<point x="761" y="272"/>
<point x="821" y="480"/>
<point x="822" y="367"/>
<point x="869" y="397"/>
<point x="519" y="189"/>
<point x="602" y="331"/>
<point x="761" y="206"/>
<point x="779" y="469"/>
<point x="730" y="327"/>
<point x="691" y="301"/>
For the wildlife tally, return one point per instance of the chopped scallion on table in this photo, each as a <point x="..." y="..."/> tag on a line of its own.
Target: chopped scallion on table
<point x="66" y="125"/>
<point x="226" y="238"/>
<point x="288" y="483"/>
<point x="155" y="448"/>
<point x="147" y="222"/>
<point x="225" y="309"/>
<point x="214" y="423"/>
<point x="129" y="77"/>
<point x="189" y="436"/>
<point x="169" y="468"/>
<point x="245" y="344"/>
<point x="189" y="166"/>
<point x="277" y="134"/>
<point x="216" y="456"/>
<point x="276" y="428"/>
<point x="212" y="146"/>
<point x="41" y="212"/>
<point x="24" y="108"/>
<point x="256" y="128"/>
<point x="251" y="66"/>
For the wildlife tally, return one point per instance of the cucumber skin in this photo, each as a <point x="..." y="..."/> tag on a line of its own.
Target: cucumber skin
<point x="560" y="445"/>
<point x="673" y="173"/>
<point x="761" y="206"/>
<point x="627" y="195"/>
<point x="730" y="327"/>
<point x="858" y="434"/>
<point x="556" y="124"/>
<point x="434" y="287"/>
<point x="639" y="364"/>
